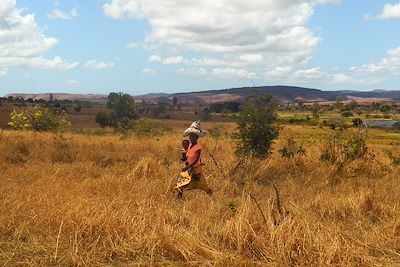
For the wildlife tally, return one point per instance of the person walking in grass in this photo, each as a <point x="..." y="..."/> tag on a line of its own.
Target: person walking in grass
<point x="192" y="176"/>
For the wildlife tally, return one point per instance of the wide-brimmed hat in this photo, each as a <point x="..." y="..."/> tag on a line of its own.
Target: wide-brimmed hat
<point x="195" y="129"/>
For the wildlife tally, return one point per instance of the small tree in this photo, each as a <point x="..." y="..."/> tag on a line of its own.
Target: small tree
<point x="385" y="108"/>
<point x="316" y="110"/>
<point x="78" y="108"/>
<point x="105" y="119"/>
<point x="39" y="119"/>
<point x="123" y="109"/>
<point x="256" y="126"/>
<point x="338" y="103"/>
<point x="123" y="105"/>
<point x="205" y="115"/>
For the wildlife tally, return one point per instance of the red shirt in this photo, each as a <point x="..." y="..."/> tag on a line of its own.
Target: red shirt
<point x="191" y="155"/>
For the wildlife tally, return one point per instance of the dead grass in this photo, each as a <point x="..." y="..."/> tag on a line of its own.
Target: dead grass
<point x="98" y="200"/>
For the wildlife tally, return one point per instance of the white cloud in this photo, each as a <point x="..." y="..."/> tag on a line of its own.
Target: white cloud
<point x="93" y="64"/>
<point x="229" y="73"/>
<point x="389" y="63"/>
<point x="132" y="45"/>
<point x="72" y="82"/>
<point x="38" y="62"/>
<point x="173" y="60"/>
<point x="390" y="11"/>
<point x="340" y="78"/>
<point x="278" y="72"/>
<point x="155" y="58"/>
<point x="192" y="71"/>
<point x="255" y="30"/>
<point x="148" y="71"/>
<point x="58" y="14"/>
<point x="310" y="75"/>
<point x="3" y="71"/>
<point x="23" y="43"/>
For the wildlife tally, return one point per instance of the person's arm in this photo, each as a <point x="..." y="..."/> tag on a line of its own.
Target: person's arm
<point x="198" y="153"/>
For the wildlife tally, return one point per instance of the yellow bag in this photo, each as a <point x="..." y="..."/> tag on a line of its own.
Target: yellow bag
<point x="183" y="179"/>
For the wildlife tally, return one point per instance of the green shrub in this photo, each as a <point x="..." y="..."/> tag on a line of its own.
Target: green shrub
<point x="39" y="119"/>
<point x="347" y="113"/>
<point x="387" y="116"/>
<point x="216" y="132"/>
<point x="357" y="122"/>
<point x="142" y="128"/>
<point x="342" y="148"/>
<point x="394" y="159"/>
<point x="257" y="127"/>
<point x="336" y="122"/>
<point x="291" y="149"/>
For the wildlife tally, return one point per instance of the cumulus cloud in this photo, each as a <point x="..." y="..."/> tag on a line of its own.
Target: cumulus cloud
<point x="256" y="29"/>
<point x="93" y="64"/>
<point x="192" y="71"/>
<point x="389" y="11"/>
<point x="148" y="71"/>
<point x="72" y="82"/>
<point x="23" y="43"/>
<point x="155" y="58"/>
<point x="225" y="25"/>
<point x="278" y="72"/>
<point x="173" y="60"/>
<point x="3" y="71"/>
<point x="132" y="45"/>
<point x="340" y="78"/>
<point x="389" y="63"/>
<point x="58" y="14"/>
<point x="311" y="74"/>
<point x="232" y="73"/>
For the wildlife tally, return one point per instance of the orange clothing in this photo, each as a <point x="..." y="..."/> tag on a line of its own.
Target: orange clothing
<point x="191" y="155"/>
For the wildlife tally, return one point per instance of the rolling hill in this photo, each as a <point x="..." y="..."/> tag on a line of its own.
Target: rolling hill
<point x="284" y="93"/>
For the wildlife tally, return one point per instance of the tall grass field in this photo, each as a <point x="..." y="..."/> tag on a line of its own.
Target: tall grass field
<point x="100" y="200"/>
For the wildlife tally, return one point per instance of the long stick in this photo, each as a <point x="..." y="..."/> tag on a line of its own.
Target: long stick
<point x="259" y="208"/>
<point x="57" y="242"/>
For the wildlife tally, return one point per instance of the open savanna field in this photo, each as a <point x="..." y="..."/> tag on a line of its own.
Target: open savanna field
<point x="80" y="199"/>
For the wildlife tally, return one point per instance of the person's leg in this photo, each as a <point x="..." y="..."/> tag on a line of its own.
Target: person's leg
<point x="179" y="194"/>
<point x="202" y="184"/>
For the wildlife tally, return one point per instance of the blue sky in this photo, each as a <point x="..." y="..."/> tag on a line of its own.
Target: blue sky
<point x="145" y="46"/>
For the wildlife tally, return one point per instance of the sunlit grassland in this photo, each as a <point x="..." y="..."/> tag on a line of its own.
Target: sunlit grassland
<point x="82" y="199"/>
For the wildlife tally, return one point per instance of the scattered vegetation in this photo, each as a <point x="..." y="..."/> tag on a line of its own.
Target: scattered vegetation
<point x="123" y="111"/>
<point x="143" y="128"/>
<point x="344" y="147"/>
<point x="291" y="149"/>
<point x="256" y="126"/>
<point x="39" y="118"/>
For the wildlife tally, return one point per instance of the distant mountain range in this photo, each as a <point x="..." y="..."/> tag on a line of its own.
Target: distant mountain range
<point x="63" y="96"/>
<point x="284" y="93"/>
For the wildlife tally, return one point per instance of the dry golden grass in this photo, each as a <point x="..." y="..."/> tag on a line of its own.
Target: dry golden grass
<point x="98" y="200"/>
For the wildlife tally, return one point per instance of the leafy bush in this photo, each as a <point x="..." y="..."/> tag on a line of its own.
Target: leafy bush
<point x="347" y="113"/>
<point x="39" y="119"/>
<point x="342" y="148"/>
<point x="257" y="126"/>
<point x="215" y="132"/>
<point x="291" y="149"/>
<point x="105" y="119"/>
<point x="357" y="122"/>
<point x="394" y="159"/>
<point x="122" y="109"/>
<point x="387" y="116"/>
<point x="142" y="128"/>
<point x="336" y="122"/>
